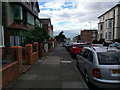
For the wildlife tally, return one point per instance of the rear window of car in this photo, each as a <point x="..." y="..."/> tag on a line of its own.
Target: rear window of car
<point x="109" y="58"/>
<point x="81" y="45"/>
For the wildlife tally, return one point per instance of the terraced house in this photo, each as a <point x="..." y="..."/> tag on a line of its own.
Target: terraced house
<point x="109" y="24"/>
<point x="18" y="18"/>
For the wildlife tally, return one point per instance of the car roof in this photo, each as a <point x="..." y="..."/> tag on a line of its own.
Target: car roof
<point x="79" y="43"/>
<point x="103" y="49"/>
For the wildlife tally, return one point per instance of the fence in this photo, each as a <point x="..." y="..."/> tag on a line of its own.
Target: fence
<point x="8" y="56"/>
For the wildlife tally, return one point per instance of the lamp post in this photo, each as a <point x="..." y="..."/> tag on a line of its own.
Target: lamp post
<point x="90" y="33"/>
<point x="90" y="25"/>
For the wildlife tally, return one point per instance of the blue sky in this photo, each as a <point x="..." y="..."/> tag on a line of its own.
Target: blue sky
<point x="71" y="16"/>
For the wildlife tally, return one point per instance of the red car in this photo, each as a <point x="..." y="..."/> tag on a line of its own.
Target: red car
<point x="77" y="48"/>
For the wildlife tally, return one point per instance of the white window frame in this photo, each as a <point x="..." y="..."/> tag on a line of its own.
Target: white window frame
<point x="2" y="36"/>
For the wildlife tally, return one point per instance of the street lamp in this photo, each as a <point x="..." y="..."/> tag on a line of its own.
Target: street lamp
<point x="90" y="32"/>
<point x="90" y="25"/>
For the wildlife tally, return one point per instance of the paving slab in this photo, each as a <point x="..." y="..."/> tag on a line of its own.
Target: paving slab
<point x="55" y="70"/>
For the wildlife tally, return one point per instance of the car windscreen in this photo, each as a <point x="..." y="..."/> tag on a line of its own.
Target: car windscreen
<point x="109" y="58"/>
<point x="81" y="45"/>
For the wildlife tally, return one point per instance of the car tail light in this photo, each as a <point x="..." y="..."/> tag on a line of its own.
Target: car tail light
<point x="96" y="73"/>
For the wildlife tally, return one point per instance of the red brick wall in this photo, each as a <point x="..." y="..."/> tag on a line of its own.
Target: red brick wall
<point x="34" y="57"/>
<point x="9" y="73"/>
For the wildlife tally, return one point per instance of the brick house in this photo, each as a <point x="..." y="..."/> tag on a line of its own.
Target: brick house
<point x="46" y="24"/>
<point x="18" y="18"/>
<point x="89" y="35"/>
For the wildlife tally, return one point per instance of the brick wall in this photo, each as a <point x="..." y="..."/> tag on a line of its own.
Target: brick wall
<point x="34" y="57"/>
<point x="9" y="73"/>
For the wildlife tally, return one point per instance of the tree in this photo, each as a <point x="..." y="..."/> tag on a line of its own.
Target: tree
<point x="36" y="35"/>
<point x="60" y="37"/>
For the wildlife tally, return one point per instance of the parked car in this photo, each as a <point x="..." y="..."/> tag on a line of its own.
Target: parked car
<point x="114" y="44"/>
<point x="101" y="66"/>
<point x="77" y="47"/>
<point x="69" y="46"/>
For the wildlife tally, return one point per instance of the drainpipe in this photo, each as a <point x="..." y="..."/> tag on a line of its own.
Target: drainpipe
<point x="113" y="25"/>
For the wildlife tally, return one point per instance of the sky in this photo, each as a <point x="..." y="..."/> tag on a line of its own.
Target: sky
<point x="72" y="16"/>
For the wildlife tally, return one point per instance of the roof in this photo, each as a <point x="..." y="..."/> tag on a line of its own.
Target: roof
<point x="90" y="30"/>
<point x="103" y="49"/>
<point x="109" y="10"/>
<point x="45" y="20"/>
<point x="17" y="26"/>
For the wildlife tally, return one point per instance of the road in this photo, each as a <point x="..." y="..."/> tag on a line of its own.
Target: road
<point x="55" y="70"/>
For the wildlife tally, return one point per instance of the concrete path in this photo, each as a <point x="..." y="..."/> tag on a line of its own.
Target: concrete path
<point x="54" y="70"/>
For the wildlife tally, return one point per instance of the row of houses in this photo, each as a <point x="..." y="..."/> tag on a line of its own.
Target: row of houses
<point x="19" y="17"/>
<point x="108" y="28"/>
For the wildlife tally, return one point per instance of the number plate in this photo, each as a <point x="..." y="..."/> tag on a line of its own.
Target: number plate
<point x="115" y="72"/>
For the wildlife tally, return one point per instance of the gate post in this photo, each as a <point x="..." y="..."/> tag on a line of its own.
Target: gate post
<point x="28" y="53"/>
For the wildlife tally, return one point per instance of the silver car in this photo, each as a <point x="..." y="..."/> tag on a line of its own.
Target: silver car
<point x="101" y="66"/>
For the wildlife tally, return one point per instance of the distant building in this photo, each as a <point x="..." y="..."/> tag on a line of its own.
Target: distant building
<point x="46" y="24"/>
<point x="89" y="35"/>
<point x="17" y="19"/>
<point x="109" y="24"/>
<point x="76" y="38"/>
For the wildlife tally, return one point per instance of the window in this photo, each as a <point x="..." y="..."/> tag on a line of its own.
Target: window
<point x="109" y="23"/>
<point x="90" y="56"/>
<point x="85" y="55"/>
<point x="37" y="22"/>
<point x="30" y="19"/>
<point x="1" y="37"/>
<point x="101" y="35"/>
<point x="17" y="40"/>
<point x="113" y="13"/>
<point x="109" y="35"/>
<point x="106" y="35"/>
<point x="18" y="14"/>
<point x="12" y="40"/>
<point x="109" y="58"/>
<point x="100" y="26"/>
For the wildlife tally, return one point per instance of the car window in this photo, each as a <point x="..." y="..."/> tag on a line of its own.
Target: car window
<point x="90" y="56"/>
<point x="81" y="45"/>
<point x="109" y="58"/>
<point x="82" y="52"/>
<point x="85" y="54"/>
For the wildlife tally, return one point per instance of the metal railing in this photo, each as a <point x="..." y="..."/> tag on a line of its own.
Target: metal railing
<point x="8" y="56"/>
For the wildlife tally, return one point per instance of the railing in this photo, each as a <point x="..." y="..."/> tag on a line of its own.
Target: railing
<point x="8" y="56"/>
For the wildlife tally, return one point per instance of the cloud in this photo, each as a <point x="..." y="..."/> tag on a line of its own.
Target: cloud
<point x="71" y="16"/>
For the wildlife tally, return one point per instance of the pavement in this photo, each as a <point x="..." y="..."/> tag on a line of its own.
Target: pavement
<point x="55" y="70"/>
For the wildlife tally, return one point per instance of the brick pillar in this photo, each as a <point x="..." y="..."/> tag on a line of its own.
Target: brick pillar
<point x="36" y="49"/>
<point x="18" y="50"/>
<point x="28" y="53"/>
<point x="36" y="46"/>
<point x="41" y="50"/>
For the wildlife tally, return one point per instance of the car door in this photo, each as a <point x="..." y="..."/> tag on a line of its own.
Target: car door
<point x="79" y="59"/>
<point x="84" y="60"/>
<point x="89" y="63"/>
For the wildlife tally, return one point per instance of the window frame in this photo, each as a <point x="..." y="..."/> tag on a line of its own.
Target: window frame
<point x="2" y="36"/>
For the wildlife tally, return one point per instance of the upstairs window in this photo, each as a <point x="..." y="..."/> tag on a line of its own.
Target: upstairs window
<point x="109" y="23"/>
<point x="18" y="14"/>
<point x="30" y="18"/>
<point x="37" y="22"/>
<point x="1" y="37"/>
<point x="100" y="26"/>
